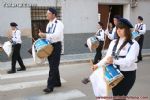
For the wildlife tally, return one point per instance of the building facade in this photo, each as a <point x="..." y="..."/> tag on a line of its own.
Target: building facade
<point x="78" y="16"/>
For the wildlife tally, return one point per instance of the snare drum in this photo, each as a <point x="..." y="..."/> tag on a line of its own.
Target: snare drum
<point x="43" y="48"/>
<point x="94" y="42"/>
<point x="113" y="75"/>
<point x="135" y="35"/>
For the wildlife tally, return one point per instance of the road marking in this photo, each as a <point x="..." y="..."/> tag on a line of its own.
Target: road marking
<point x="72" y="94"/>
<point x="23" y="85"/>
<point x="24" y="74"/>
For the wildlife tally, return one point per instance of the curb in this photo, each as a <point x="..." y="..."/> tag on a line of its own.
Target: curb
<point x="63" y="61"/>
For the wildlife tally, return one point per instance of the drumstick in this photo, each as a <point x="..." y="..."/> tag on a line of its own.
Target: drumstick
<point x="33" y="39"/>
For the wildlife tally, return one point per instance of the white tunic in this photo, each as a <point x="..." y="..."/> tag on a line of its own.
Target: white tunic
<point x="16" y="36"/>
<point x="141" y="28"/>
<point x="127" y="63"/>
<point x="100" y="34"/>
<point x="54" y="31"/>
<point x="111" y="36"/>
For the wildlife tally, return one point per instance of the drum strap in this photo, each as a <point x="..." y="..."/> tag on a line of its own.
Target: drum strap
<point x="50" y="28"/>
<point x="116" y="55"/>
<point x="99" y="32"/>
<point x="55" y="26"/>
<point x="140" y="27"/>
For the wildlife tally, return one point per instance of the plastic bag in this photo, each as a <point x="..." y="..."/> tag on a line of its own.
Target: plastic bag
<point x="99" y="83"/>
<point x="36" y="59"/>
<point x="7" y="47"/>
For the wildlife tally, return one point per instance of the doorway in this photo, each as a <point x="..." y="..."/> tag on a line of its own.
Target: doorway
<point x="103" y="11"/>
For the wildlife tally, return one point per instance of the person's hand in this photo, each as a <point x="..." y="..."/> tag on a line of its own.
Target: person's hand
<point x="106" y="31"/>
<point x="109" y="60"/>
<point x="41" y="34"/>
<point x="136" y="30"/>
<point x="94" y="67"/>
<point x="9" y="36"/>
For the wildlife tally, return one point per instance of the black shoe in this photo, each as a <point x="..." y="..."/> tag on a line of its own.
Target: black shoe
<point x="138" y="61"/>
<point x="85" y="45"/>
<point x="21" y="69"/>
<point x="85" y="80"/>
<point x="57" y="85"/>
<point x="10" y="72"/>
<point x="48" y="90"/>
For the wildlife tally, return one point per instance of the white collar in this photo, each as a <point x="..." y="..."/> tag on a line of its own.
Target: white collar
<point x="53" y="21"/>
<point x="121" y="39"/>
<point x="140" y="23"/>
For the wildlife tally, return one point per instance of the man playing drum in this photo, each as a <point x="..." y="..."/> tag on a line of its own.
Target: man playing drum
<point x="140" y="28"/>
<point x="54" y="34"/>
<point x="100" y="36"/>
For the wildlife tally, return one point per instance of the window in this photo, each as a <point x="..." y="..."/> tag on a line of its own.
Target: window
<point x="39" y="13"/>
<point x="39" y="20"/>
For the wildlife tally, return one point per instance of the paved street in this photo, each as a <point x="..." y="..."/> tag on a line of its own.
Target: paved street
<point x="28" y="85"/>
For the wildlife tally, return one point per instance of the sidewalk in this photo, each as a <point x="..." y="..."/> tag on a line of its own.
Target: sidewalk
<point x="65" y="59"/>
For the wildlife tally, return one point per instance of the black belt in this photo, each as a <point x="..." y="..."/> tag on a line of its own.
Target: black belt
<point x="56" y="43"/>
<point x="121" y="56"/>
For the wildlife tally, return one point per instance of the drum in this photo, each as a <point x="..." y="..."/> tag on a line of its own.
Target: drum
<point x="112" y="75"/>
<point x="94" y="42"/>
<point x="43" y="48"/>
<point x="135" y="35"/>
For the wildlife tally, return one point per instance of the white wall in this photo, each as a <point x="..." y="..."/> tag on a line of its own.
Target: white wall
<point x="142" y="9"/>
<point x="126" y="11"/>
<point x="20" y="15"/>
<point x="80" y="16"/>
<point x="113" y="1"/>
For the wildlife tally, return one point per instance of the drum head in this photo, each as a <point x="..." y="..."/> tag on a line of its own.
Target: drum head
<point x="45" y="51"/>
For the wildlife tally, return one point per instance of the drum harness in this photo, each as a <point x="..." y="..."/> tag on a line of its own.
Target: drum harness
<point x="99" y="34"/>
<point x="115" y="54"/>
<point x="50" y="29"/>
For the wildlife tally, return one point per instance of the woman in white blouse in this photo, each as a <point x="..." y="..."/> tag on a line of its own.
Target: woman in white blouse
<point x="122" y="52"/>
